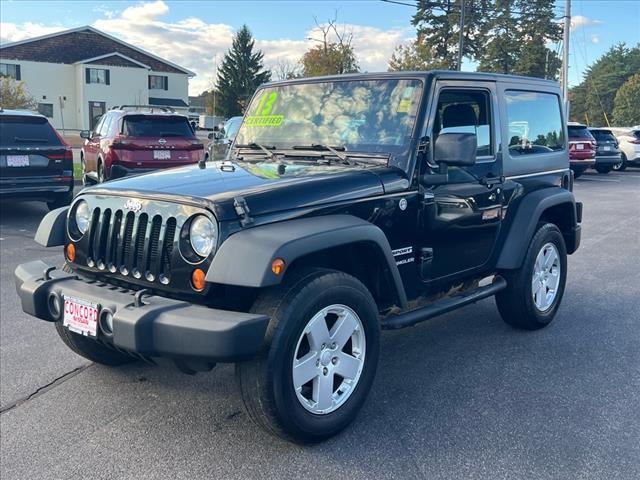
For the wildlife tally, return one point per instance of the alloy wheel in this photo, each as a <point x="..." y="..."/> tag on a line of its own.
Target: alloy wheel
<point x="328" y="359"/>
<point x="546" y="277"/>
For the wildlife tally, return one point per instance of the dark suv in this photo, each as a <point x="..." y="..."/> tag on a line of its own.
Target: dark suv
<point x="608" y="152"/>
<point x="35" y="162"/>
<point x="347" y="205"/>
<point x="137" y="139"/>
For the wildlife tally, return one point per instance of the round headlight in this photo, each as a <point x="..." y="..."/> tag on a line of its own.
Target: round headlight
<point x="203" y="235"/>
<point x="83" y="215"/>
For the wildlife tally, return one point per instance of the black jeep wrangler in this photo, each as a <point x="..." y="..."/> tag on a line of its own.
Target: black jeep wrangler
<point x="346" y="205"/>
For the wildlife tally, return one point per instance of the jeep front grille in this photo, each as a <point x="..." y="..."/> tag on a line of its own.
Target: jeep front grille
<point x="131" y="244"/>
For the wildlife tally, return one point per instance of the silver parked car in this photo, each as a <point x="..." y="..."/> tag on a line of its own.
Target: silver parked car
<point x="222" y="139"/>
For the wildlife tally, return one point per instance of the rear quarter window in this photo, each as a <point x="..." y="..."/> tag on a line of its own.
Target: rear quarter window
<point x="156" y="126"/>
<point x="26" y="131"/>
<point x="535" y="123"/>
<point x="603" y="136"/>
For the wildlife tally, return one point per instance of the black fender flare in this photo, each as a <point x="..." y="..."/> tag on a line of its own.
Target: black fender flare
<point x="527" y="215"/>
<point x="52" y="229"/>
<point x="244" y="259"/>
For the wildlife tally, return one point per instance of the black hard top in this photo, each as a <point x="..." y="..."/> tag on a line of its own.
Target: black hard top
<point x="441" y="74"/>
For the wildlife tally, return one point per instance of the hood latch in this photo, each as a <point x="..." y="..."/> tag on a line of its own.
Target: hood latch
<point x="242" y="210"/>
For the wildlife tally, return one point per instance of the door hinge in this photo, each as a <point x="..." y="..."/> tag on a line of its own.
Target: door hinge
<point x="242" y="210"/>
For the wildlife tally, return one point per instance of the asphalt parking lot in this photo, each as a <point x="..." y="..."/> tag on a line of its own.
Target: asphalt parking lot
<point x="461" y="396"/>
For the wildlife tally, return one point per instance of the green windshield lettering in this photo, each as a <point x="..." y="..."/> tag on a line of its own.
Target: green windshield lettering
<point x="264" y="120"/>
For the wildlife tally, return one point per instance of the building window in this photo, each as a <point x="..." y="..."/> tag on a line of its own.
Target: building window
<point x="97" y="75"/>
<point x="46" y="109"/>
<point x="158" y="82"/>
<point x="10" y="70"/>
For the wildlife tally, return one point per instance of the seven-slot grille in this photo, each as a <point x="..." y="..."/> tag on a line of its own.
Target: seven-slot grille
<point x="136" y="244"/>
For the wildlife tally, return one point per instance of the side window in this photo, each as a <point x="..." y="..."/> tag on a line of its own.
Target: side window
<point x="535" y="122"/>
<point x="105" y="125"/>
<point x="465" y="111"/>
<point x="99" y="122"/>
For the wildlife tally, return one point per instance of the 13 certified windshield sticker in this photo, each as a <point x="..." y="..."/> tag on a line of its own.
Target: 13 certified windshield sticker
<point x="263" y="116"/>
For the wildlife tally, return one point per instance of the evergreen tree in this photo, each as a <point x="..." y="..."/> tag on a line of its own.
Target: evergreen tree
<point x="438" y="28"/>
<point x="240" y="73"/>
<point x="515" y="35"/>
<point x="536" y="27"/>
<point x="593" y="100"/>
<point x="412" y="56"/>
<point x="626" y="109"/>
<point x="500" y="36"/>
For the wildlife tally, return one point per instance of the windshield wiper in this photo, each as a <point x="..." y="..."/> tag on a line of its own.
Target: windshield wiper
<point x="334" y="150"/>
<point x="256" y="146"/>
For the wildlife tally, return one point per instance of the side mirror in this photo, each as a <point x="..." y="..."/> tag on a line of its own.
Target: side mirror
<point x="210" y="136"/>
<point x="457" y="149"/>
<point x="85" y="134"/>
<point x="215" y="128"/>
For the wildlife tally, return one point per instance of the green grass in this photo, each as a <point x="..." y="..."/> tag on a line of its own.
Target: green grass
<point x="77" y="171"/>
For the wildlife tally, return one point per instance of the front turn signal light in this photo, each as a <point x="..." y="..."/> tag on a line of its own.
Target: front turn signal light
<point x="197" y="279"/>
<point x="277" y="266"/>
<point x="71" y="252"/>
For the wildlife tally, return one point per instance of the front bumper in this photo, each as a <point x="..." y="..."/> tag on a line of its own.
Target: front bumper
<point x="154" y="327"/>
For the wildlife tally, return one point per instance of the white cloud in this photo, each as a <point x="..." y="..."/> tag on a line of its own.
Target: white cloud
<point x="578" y="21"/>
<point x="197" y="45"/>
<point x="11" y="32"/>
<point x="595" y="38"/>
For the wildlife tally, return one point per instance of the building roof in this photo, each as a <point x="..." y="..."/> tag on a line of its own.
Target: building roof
<point x="115" y="59"/>
<point x="167" y="102"/>
<point x="79" y="44"/>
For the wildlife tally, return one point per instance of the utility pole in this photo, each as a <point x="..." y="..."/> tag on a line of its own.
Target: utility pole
<point x="461" y="40"/>
<point x="565" y="55"/>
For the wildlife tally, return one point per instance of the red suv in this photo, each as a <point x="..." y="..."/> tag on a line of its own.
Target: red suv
<point x="582" y="148"/>
<point x="134" y="139"/>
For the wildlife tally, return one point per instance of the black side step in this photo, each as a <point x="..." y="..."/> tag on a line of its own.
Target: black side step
<point x="445" y="305"/>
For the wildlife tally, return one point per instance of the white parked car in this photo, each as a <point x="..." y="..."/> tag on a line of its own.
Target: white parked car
<point x="629" y="139"/>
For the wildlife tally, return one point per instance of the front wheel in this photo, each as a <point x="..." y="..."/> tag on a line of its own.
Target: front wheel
<point x="534" y="291"/>
<point x="320" y="356"/>
<point x="102" y="176"/>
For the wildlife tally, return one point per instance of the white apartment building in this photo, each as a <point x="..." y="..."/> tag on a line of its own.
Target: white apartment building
<point x="77" y="75"/>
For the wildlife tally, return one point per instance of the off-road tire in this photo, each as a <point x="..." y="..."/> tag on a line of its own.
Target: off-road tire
<point x="61" y="200"/>
<point x="91" y="349"/>
<point x="266" y="382"/>
<point x="604" y="170"/>
<point x="515" y="303"/>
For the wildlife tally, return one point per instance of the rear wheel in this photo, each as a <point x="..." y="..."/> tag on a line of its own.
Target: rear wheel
<point x="320" y="356"/>
<point x="61" y="200"/>
<point x="622" y="165"/>
<point x="83" y="167"/>
<point x="577" y="171"/>
<point x="604" y="170"/>
<point x="534" y="291"/>
<point x="101" y="173"/>
<point x="91" y="349"/>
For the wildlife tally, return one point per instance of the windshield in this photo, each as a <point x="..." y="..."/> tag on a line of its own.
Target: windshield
<point x="603" y="135"/>
<point x="579" y="131"/>
<point x="156" y="126"/>
<point x="25" y="130"/>
<point x="371" y="116"/>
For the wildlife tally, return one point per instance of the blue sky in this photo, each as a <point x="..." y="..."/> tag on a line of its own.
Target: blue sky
<point x="196" y="34"/>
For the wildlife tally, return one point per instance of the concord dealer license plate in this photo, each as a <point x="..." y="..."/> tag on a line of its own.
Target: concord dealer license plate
<point x="80" y="316"/>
